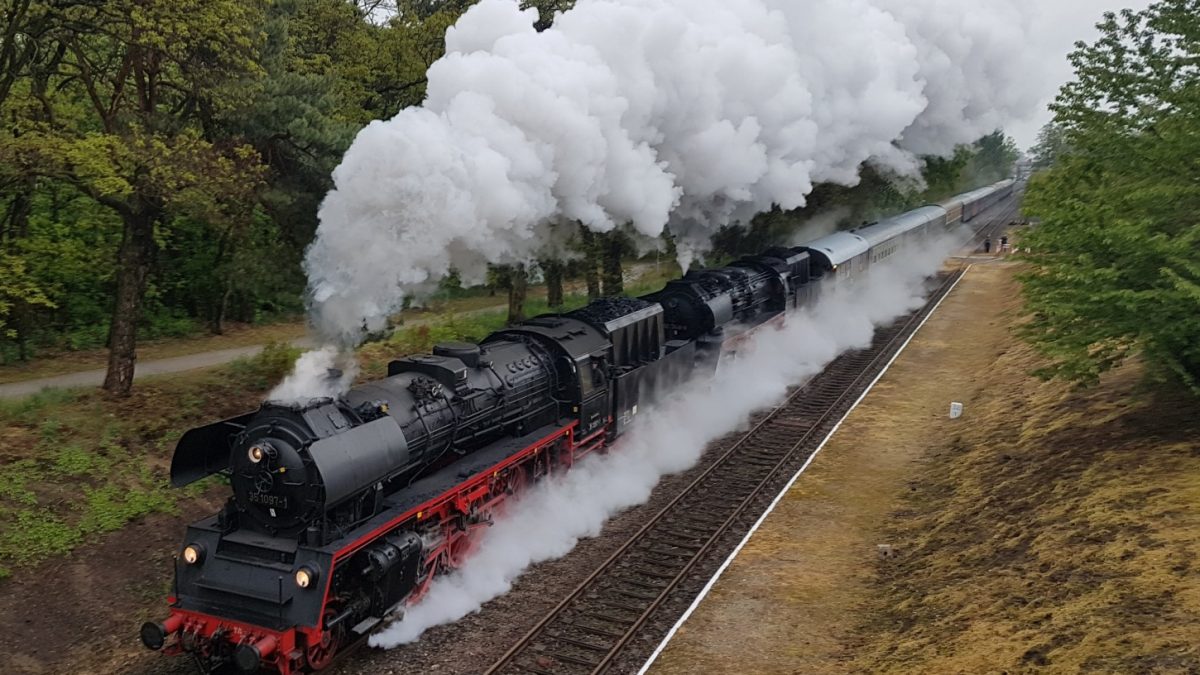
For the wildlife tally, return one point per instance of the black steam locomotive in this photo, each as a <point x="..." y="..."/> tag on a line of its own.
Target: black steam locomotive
<point x="344" y="510"/>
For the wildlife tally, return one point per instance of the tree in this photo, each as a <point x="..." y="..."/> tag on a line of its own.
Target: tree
<point x="514" y="279"/>
<point x="25" y="33"/>
<point x="18" y="291"/>
<point x="612" y="247"/>
<point x="553" y="271"/>
<point x="1051" y="144"/>
<point x="217" y="124"/>
<point x="1116" y="264"/>
<point x="993" y="159"/>
<point x="590" y="243"/>
<point x="547" y="10"/>
<point x="155" y="73"/>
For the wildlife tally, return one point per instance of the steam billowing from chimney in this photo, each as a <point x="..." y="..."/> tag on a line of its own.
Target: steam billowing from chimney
<point x="648" y="113"/>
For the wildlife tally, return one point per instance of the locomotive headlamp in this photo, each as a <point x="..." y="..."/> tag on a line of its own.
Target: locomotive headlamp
<point x="193" y="553"/>
<point x="256" y="453"/>
<point x="306" y="576"/>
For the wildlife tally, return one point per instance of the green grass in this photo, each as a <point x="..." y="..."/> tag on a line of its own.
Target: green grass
<point x="28" y="407"/>
<point x="35" y="534"/>
<point x="260" y="371"/>
<point x="79" y="464"/>
<point x="50" y="503"/>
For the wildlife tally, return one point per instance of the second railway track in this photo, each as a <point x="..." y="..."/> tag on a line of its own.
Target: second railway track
<point x="624" y="601"/>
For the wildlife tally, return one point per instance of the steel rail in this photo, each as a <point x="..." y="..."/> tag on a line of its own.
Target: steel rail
<point x="561" y="663"/>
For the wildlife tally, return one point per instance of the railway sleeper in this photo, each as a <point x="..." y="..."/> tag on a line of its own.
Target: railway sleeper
<point x="657" y="588"/>
<point x="690" y="545"/>
<point x="583" y="644"/>
<point x="742" y="483"/>
<point x="649" y="567"/>
<point x="596" y="630"/>
<point x="656" y="548"/>
<point x="586" y="663"/>
<point x="687" y="542"/>
<point x="601" y="616"/>
<point x="671" y="562"/>
<point x="535" y="669"/>
<point x="636" y="596"/>
<point x="615" y="604"/>
<point x="654" y="575"/>
<point x="685" y="528"/>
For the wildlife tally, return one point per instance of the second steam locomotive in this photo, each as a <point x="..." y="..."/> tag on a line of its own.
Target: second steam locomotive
<point x="344" y="510"/>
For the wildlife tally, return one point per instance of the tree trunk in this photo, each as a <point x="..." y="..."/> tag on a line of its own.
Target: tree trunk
<point x="554" y="282"/>
<point x="133" y="266"/>
<point x="216" y="325"/>
<point x="590" y="262"/>
<point x="612" y="249"/>
<point x="21" y="326"/>
<point x="518" y="286"/>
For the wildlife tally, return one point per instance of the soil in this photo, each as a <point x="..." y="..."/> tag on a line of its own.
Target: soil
<point x="1047" y="530"/>
<point x="81" y="613"/>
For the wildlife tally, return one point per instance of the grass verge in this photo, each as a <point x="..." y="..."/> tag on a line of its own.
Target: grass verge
<point x="1059" y="531"/>
<point x="76" y="464"/>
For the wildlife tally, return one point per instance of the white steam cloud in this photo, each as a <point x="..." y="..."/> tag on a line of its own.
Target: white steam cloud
<point x="649" y="113"/>
<point x="548" y="521"/>
<point x="320" y="373"/>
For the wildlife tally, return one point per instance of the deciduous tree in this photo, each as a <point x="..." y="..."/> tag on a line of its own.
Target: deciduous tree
<point x="1116" y="264"/>
<point x="155" y="73"/>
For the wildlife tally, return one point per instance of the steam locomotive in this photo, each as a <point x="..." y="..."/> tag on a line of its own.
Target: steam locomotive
<point x="344" y="510"/>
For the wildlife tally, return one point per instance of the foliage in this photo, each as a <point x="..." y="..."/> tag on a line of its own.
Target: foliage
<point x="1116" y="264"/>
<point x="991" y="161"/>
<point x="266" y="367"/>
<point x="207" y="129"/>
<point x="17" y="290"/>
<point x="1051" y="144"/>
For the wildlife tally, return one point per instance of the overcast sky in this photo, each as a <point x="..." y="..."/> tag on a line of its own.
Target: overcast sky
<point x="1060" y="23"/>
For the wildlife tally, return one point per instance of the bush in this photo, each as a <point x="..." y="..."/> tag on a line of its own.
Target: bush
<point x="91" y="336"/>
<point x="266" y="367"/>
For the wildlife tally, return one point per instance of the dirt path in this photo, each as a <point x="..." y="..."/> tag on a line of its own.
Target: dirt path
<point x="179" y="364"/>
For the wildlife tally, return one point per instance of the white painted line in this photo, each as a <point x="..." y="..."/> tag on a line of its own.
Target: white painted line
<point x="721" y="570"/>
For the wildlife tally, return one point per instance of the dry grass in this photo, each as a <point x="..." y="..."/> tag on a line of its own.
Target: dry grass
<point x="1059" y="532"/>
<point x="790" y="599"/>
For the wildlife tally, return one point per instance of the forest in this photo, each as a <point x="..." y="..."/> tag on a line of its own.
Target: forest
<point x="162" y="163"/>
<point x="1116" y="258"/>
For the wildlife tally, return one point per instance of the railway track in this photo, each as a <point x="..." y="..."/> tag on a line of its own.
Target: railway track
<point x="996" y="218"/>
<point x="626" y="599"/>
